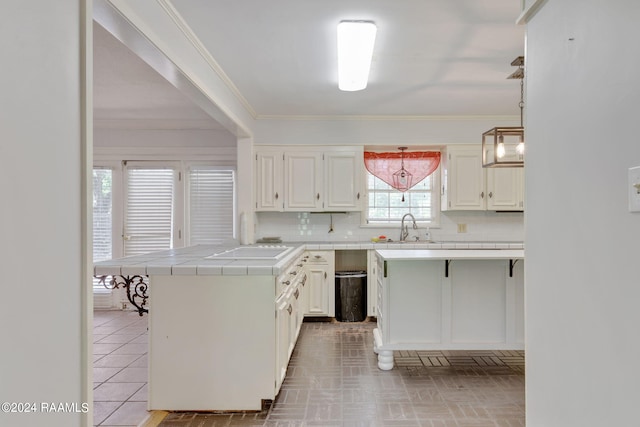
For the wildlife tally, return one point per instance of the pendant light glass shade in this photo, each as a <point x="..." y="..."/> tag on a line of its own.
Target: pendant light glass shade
<point x="402" y="179"/>
<point x="500" y="147"/>
<point x="504" y="146"/>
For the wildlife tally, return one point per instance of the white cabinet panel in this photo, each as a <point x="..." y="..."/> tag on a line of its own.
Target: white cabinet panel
<point x="415" y="313"/>
<point x="342" y="172"/>
<point x="466" y="180"/>
<point x="303" y="181"/>
<point x="478" y="306"/>
<point x="269" y="181"/>
<point x="505" y="189"/>
<point x="320" y="293"/>
<point x="372" y="284"/>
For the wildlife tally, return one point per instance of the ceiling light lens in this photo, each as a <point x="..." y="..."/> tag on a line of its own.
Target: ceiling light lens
<point x="355" y="49"/>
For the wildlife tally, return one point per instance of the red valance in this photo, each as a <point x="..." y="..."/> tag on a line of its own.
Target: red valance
<point x="420" y="164"/>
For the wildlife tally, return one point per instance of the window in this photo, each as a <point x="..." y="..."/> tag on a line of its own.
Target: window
<point x="385" y="205"/>
<point x="211" y="205"/>
<point x="149" y="208"/>
<point x="102" y="220"/>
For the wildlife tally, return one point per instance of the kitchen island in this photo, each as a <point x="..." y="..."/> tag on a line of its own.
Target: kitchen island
<point x="463" y="299"/>
<point x="223" y="320"/>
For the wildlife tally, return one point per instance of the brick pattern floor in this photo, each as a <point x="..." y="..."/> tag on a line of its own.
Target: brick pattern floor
<point x="333" y="380"/>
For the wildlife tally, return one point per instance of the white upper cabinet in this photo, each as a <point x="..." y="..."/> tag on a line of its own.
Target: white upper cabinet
<point x="466" y="185"/>
<point x="342" y="180"/>
<point x="269" y="189"/>
<point x="465" y="179"/>
<point x="309" y="179"/>
<point x="303" y="181"/>
<point x="505" y="189"/>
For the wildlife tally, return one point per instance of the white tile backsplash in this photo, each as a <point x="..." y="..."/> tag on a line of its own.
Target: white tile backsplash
<point x="305" y="226"/>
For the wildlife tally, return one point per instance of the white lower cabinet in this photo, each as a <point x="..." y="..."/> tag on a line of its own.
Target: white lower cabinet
<point x="283" y="326"/>
<point x="320" y="295"/>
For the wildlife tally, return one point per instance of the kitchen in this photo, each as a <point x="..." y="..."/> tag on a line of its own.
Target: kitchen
<point x="311" y="223"/>
<point x="582" y="254"/>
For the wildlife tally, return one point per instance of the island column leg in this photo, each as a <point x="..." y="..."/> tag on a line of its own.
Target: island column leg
<point x="385" y="357"/>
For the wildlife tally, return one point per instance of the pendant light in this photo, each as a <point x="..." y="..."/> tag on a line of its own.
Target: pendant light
<point x="402" y="179"/>
<point x="504" y="146"/>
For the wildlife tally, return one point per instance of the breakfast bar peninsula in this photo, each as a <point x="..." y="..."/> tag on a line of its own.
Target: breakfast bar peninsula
<point x="467" y="299"/>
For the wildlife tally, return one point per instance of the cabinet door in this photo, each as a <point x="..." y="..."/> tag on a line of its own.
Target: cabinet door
<point x="269" y="179"/>
<point x="465" y="179"/>
<point x="372" y="284"/>
<point x="504" y="189"/>
<point x="282" y="341"/>
<point x="318" y="292"/>
<point x="303" y="181"/>
<point x="342" y="172"/>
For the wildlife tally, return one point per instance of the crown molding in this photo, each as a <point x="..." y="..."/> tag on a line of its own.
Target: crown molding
<point x="179" y="21"/>
<point x="425" y="118"/>
<point x="529" y="12"/>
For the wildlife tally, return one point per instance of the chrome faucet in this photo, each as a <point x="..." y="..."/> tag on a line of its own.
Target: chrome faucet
<point x="404" y="229"/>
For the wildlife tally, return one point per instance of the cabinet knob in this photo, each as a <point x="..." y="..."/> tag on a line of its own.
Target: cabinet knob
<point x="318" y="196"/>
<point x="286" y="282"/>
<point x="296" y="293"/>
<point x="325" y="274"/>
<point x="358" y="196"/>
<point x="490" y="194"/>
<point x="289" y="309"/>
<point x="276" y="196"/>
<point x="482" y="195"/>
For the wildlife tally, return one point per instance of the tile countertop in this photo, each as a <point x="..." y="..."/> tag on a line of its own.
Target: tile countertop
<point x="193" y="260"/>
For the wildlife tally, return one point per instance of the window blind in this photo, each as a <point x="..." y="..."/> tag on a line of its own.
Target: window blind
<point x="149" y="210"/>
<point x="211" y="205"/>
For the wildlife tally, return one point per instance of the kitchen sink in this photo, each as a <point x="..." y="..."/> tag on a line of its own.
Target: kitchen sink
<point x="267" y="252"/>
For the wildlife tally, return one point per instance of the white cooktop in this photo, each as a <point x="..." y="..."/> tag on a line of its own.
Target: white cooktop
<point x="272" y="252"/>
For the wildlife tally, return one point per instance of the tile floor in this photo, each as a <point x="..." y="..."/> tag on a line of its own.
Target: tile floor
<point x="333" y="380"/>
<point x="120" y="344"/>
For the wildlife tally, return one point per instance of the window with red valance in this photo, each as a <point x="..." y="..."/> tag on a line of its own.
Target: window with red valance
<point x="419" y="164"/>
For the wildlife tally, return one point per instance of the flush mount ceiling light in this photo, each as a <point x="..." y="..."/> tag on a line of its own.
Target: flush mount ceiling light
<point x="355" y="49"/>
<point x="504" y="146"/>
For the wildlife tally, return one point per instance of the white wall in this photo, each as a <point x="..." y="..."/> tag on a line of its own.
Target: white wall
<point x="45" y="354"/>
<point x="582" y="280"/>
<point x="367" y="131"/>
<point x="165" y="144"/>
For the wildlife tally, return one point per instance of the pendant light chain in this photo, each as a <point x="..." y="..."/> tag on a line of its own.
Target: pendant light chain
<point x="521" y="104"/>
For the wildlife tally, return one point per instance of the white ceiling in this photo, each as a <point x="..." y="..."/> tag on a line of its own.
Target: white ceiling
<point x="431" y="58"/>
